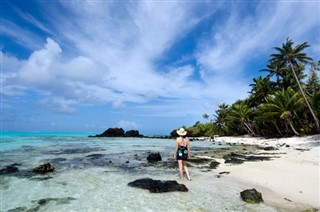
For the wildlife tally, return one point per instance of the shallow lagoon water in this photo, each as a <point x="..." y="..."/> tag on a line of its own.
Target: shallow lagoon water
<point x="92" y="175"/>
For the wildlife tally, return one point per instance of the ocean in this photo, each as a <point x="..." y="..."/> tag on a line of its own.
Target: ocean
<point x="92" y="174"/>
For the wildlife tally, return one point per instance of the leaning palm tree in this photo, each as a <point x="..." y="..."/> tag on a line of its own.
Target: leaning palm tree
<point x="240" y="113"/>
<point x="262" y="116"/>
<point x="283" y="104"/>
<point x="292" y="56"/>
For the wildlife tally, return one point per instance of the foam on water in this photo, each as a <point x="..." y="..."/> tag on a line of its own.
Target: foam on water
<point x="91" y="187"/>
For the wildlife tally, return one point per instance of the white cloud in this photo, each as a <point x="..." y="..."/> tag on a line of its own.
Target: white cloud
<point x="127" y="125"/>
<point x="241" y="39"/>
<point x="39" y="69"/>
<point x="107" y="51"/>
<point x="21" y="35"/>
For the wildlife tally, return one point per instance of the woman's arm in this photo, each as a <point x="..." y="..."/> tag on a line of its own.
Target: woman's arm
<point x="176" y="149"/>
<point x="188" y="148"/>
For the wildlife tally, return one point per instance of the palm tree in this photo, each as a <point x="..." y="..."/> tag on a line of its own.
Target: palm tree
<point x="313" y="83"/>
<point x="262" y="116"/>
<point x="292" y="56"/>
<point x="274" y="69"/>
<point x="316" y="65"/>
<point x="239" y="113"/>
<point x="205" y="116"/>
<point x="259" y="91"/>
<point x="220" y="117"/>
<point x="283" y="104"/>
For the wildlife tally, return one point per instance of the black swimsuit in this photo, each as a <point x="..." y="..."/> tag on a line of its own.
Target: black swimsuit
<point x="182" y="153"/>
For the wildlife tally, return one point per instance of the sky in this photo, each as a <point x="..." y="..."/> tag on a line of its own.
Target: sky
<point x="152" y="66"/>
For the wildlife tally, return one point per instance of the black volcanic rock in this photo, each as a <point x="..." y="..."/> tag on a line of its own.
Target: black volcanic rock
<point x="153" y="157"/>
<point x="174" y="133"/>
<point x="44" y="168"/>
<point x="112" y="132"/>
<point x="158" y="186"/>
<point x="251" y="196"/>
<point x="132" y="133"/>
<point x="119" y="132"/>
<point x="9" y="169"/>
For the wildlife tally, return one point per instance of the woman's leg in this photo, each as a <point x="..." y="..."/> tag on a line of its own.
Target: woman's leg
<point x="180" y="169"/>
<point x="184" y="163"/>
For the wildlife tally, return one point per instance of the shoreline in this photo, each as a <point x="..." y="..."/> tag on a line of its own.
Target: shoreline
<point x="289" y="180"/>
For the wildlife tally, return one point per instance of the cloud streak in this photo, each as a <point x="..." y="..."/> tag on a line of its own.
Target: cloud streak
<point x="108" y="53"/>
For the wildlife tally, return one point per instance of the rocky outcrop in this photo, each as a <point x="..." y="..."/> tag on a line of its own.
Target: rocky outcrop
<point x="251" y="196"/>
<point x="119" y="132"/>
<point x="158" y="186"/>
<point x="44" y="168"/>
<point x="235" y="158"/>
<point x="132" y="133"/>
<point x="9" y="169"/>
<point x="112" y="132"/>
<point x="154" y="157"/>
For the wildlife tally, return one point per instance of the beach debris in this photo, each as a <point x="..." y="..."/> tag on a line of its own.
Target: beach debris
<point x="251" y="196"/>
<point x="289" y="200"/>
<point x="269" y="148"/>
<point x="302" y="150"/>
<point x="199" y="161"/>
<point x="153" y="157"/>
<point x="158" y="186"/>
<point x="224" y="173"/>
<point x="44" y="168"/>
<point x="214" y="164"/>
<point x="9" y="169"/>
<point x="233" y="160"/>
<point x="236" y="158"/>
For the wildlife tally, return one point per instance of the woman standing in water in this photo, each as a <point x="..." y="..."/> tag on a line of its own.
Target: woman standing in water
<point x="182" y="152"/>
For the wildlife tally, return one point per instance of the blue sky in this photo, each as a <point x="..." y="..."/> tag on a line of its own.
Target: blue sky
<point x="147" y="65"/>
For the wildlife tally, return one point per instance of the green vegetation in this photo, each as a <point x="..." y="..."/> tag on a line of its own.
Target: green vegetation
<point x="285" y="102"/>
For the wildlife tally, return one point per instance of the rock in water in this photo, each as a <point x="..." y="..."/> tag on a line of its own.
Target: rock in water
<point x="9" y="169"/>
<point x="132" y="133"/>
<point x="44" y="168"/>
<point x="153" y="157"/>
<point x="158" y="186"/>
<point x="251" y="196"/>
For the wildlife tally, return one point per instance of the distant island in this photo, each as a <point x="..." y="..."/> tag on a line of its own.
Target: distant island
<point x="119" y="132"/>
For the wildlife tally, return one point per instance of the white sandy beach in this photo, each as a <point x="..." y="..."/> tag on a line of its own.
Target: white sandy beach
<point x="290" y="180"/>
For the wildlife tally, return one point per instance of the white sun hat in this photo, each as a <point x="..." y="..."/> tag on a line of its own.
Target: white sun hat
<point x="182" y="132"/>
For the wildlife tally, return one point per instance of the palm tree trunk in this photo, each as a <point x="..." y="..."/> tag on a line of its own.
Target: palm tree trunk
<point x="279" y="131"/>
<point x="305" y="98"/>
<point x="292" y="128"/>
<point x="248" y="128"/>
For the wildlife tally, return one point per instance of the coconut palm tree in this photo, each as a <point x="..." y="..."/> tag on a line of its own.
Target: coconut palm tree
<point x="283" y="104"/>
<point x="205" y="116"/>
<point x="259" y="91"/>
<point x="220" y="117"/>
<point x="264" y="117"/>
<point x="240" y="113"/>
<point x="274" y="68"/>
<point x="293" y="56"/>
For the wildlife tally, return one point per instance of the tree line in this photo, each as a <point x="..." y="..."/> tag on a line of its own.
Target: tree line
<point x="285" y="102"/>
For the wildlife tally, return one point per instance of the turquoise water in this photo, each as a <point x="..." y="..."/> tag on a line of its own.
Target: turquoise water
<point x="91" y="174"/>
